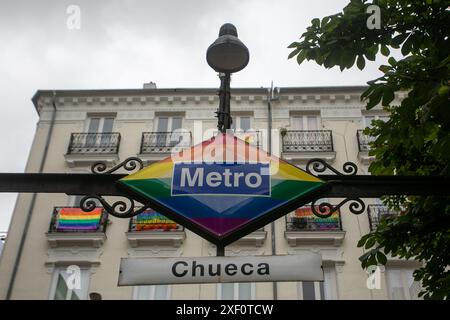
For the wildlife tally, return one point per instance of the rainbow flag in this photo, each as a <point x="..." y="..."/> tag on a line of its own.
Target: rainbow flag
<point x="152" y="220"/>
<point x="330" y="223"/>
<point x="221" y="214"/>
<point x="75" y="219"/>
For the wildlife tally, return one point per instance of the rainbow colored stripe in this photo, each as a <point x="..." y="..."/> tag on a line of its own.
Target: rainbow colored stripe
<point x="222" y="214"/>
<point x="330" y="223"/>
<point x="75" y="219"/>
<point x="152" y="220"/>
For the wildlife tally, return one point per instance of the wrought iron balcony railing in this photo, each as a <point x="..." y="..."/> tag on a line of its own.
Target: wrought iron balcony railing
<point x="377" y="212"/>
<point x="308" y="140"/>
<point x="304" y="220"/>
<point x="151" y="221"/>
<point x="94" y="143"/>
<point x="165" y="142"/>
<point x="253" y="137"/>
<point x="74" y="219"/>
<point x="363" y="140"/>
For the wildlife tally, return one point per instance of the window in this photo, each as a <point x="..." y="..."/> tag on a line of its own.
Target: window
<point x="241" y="123"/>
<point x="99" y="125"/>
<point x="165" y="126"/>
<point x="401" y="284"/>
<point x="160" y="292"/>
<point x="309" y="122"/>
<point x="236" y="291"/>
<point x="319" y="290"/>
<point x="169" y="124"/>
<point x="66" y="286"/>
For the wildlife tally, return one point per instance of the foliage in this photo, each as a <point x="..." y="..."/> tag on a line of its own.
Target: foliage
<point x="416" y="138"/>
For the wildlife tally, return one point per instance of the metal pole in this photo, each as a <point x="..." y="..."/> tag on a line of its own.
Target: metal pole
<point x="220" y="250"/>
<point x="223" y="114"/>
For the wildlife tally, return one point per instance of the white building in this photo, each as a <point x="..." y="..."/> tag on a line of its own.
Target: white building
<point x="112" y="125"/>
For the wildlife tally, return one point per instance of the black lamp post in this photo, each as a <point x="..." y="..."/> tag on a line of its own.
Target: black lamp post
<point x="226" y="55"/>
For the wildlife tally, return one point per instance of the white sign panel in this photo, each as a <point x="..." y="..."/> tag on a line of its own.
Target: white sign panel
<point x="148" y="271"/>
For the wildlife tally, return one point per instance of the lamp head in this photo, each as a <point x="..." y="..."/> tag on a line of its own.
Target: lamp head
<point x="227" y="54"/>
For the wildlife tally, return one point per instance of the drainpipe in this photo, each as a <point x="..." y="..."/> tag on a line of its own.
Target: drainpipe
<point x="32" y="203"/>
<point x="271" y="97"/>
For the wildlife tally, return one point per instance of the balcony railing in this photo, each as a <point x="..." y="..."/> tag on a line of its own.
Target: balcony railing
<point x="74" y="219"/>
<point x="152" y="221"/>
<point x="165" y="142"/>
<point x="363" y="141"/>
<point x="303" y="219"/>
<point x="377" y="212"/>
<point x="307" y="141"/>
<point x="253" y="137"/>
<point x="105" y="143"/>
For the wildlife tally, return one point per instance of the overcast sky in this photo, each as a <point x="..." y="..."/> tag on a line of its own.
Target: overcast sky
<point x="122" y="44"/>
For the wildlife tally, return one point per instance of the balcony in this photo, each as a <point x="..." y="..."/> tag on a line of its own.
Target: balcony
<point x="256" y="238"/>
<point x="88" y="148"/>
<point x="303" y="227"/>
<point x="157" y="145"/>
<point x="71" y="226"/>
<point x="364" y="147"/>
<point x="303" y="145"/>
<point x="151" y="228"/>
<point x="377" y="212"/>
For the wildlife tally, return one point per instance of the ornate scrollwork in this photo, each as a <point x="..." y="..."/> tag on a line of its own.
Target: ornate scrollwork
<point x="319" y="166"/>
<point x="128" y="164"/>
<point x="119" y="209"/>
<point x="325" y="209"/>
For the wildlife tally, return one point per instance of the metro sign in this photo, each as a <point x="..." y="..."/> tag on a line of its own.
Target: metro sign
<point x="223" y="188"/>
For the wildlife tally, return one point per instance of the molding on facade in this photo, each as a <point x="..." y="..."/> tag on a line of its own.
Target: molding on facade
<point x="364" y="158"/>
<point x="74" y="255"/>
<point x="333" y="238"/>
<point x="156" y="238"/>
<point x="76" y="239"/>
<point x="86" y="160"/>
<point x="254" y="239"/>
<point x="305" y="156"/>
<point x="154" y="251"/>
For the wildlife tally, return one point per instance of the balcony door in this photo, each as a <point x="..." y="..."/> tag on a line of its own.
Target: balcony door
<point x="99" y="129"/>
<point x="165" y="126"/>
<point x="241" y="123"/>
<point x="309" y="122"/>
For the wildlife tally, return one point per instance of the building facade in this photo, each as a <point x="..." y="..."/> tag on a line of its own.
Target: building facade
<point x="86" y="126"/>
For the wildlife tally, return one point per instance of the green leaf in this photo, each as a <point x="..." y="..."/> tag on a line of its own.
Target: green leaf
<point x="388" y="96"/>
<point x="381" y="258"/>
<point x="315" y="22"/>
<point x="370" y="243"/>
<point x="301" y="56"/>
<point x="360" y="62"/>
<point x="293" y="53"/>
<point x="384" y="68"/>
<point x="294" y="45"/>
<point x="407" y="46"/>
<point x="385" y="50"/>
<point x="398" y="40"/>
<point x="392" y="61"/>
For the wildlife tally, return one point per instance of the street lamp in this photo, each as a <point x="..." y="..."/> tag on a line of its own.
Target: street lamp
<point x="226" y="55"/>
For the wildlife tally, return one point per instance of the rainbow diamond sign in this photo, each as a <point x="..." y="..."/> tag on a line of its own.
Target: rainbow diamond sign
<point x="223" y="188"/>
